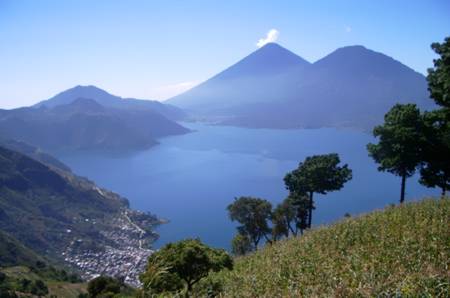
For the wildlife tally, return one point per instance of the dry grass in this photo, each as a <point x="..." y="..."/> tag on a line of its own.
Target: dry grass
<point x="401" y="251"/>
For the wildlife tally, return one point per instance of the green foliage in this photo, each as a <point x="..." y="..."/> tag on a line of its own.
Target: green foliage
<point x="290" y="216"/>
<point x="400" y="142"/>
<point x="401" y="251"/>
<point x="35" y="287"/>
<point x="301" y="205"/>
<point x="105" y="286"/>
<point x="157" y="278"/>
<point x="280" y="227"/>
<point x="39" y="288"/>
<point x="435" y="169"/>
<point x="439" y="76"/>
<point x="42" y="281"/>
<point x="6" y="292"/>
<point x="182" y="264"/>
<point x="253" y="215"/>
<point x="317" y="174"/>
<point x="241" y="245"/>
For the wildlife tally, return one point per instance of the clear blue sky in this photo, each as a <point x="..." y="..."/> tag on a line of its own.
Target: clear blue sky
<point x="154" y="49"/>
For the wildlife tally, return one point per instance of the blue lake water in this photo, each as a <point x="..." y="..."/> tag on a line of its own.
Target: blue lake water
<point x="190" y="179"/>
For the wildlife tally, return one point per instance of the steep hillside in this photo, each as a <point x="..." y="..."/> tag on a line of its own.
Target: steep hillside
<point x="14" y="253"/>
<point x="24" y="272"/>
<point x="400" y="251"/>
<point x="108" y="100"/>
<point x="84" y="124"/>
<point x="274" y="88"/>
<point x="70" y="220"/>
<point x="35" y="153"/>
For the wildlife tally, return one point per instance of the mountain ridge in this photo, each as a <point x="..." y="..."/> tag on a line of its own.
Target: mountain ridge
<point x="351" y="87"/>
<point x="106" y="99"/>
<point x="84" y="124"/>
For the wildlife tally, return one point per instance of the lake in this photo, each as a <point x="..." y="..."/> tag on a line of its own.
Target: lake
<point x="190" y="179"/>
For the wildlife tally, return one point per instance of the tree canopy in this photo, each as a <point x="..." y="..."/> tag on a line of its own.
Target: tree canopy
<point x="400" y="143"/>
<point x="290" y="216"/>
<point x="104" y="286"/>
<point x="253" y="215"/>
<point x="435" y="169"/>
<point x="317" y="174"/>
<point x="182" y="264"/>
<point x="439" y="76"/>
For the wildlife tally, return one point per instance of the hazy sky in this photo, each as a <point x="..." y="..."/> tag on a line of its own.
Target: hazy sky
<point x="156" y="49"/>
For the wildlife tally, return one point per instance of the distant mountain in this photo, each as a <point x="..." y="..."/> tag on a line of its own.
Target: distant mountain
<point x="274" y="88"/>
<point x="84" y="124"/>
<point x="108" y="100"/>
<point x="256" y="78"/>
<point x="68" y="219"/>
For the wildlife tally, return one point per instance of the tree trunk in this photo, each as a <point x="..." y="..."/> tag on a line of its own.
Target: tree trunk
<point x="267" y="239"/>
<point x="310" y="209"/>
<point x="189" y="289"/>
<point x="443" y="192"/>
<point x="402" y="191"/>
<point x="294" y="232"/>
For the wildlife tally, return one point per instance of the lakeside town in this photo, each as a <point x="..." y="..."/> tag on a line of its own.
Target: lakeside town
<point x="127" y="245"/>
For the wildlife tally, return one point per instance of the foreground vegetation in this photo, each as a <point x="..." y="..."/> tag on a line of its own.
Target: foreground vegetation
<point x="22" y="281"/>
<point x="401" y="250"/>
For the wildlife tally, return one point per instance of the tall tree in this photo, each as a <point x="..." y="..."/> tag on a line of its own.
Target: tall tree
<point x="290" y="216"/>
<point x="435" y="169"/>
<point x="439" y="76"/>
<point x="317" y="174"/>
<point x="282" y="217"/>
<point x="302" y="205"/>
<point x="253" y="215"/>
<point x="400" y="142"/>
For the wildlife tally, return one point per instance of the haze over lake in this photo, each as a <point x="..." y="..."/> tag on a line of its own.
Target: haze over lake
<point x="190" y="179"/>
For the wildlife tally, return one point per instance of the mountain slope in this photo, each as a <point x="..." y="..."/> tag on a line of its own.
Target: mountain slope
<point x="27" y="274"/>
<point x="351" y="87"/>
<point x="355" y="86"/>
<point x="84" y="124"/>
<point x="14" y="253"/>
<point x="108" y="100"/>
<point x="70" y="220"/>
<point x="252" y="79"/>
<point x="34" y="153"/>
<point x="400" y="251"/>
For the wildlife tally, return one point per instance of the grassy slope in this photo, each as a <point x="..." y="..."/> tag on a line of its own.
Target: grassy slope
<point x="402" y="249"/>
